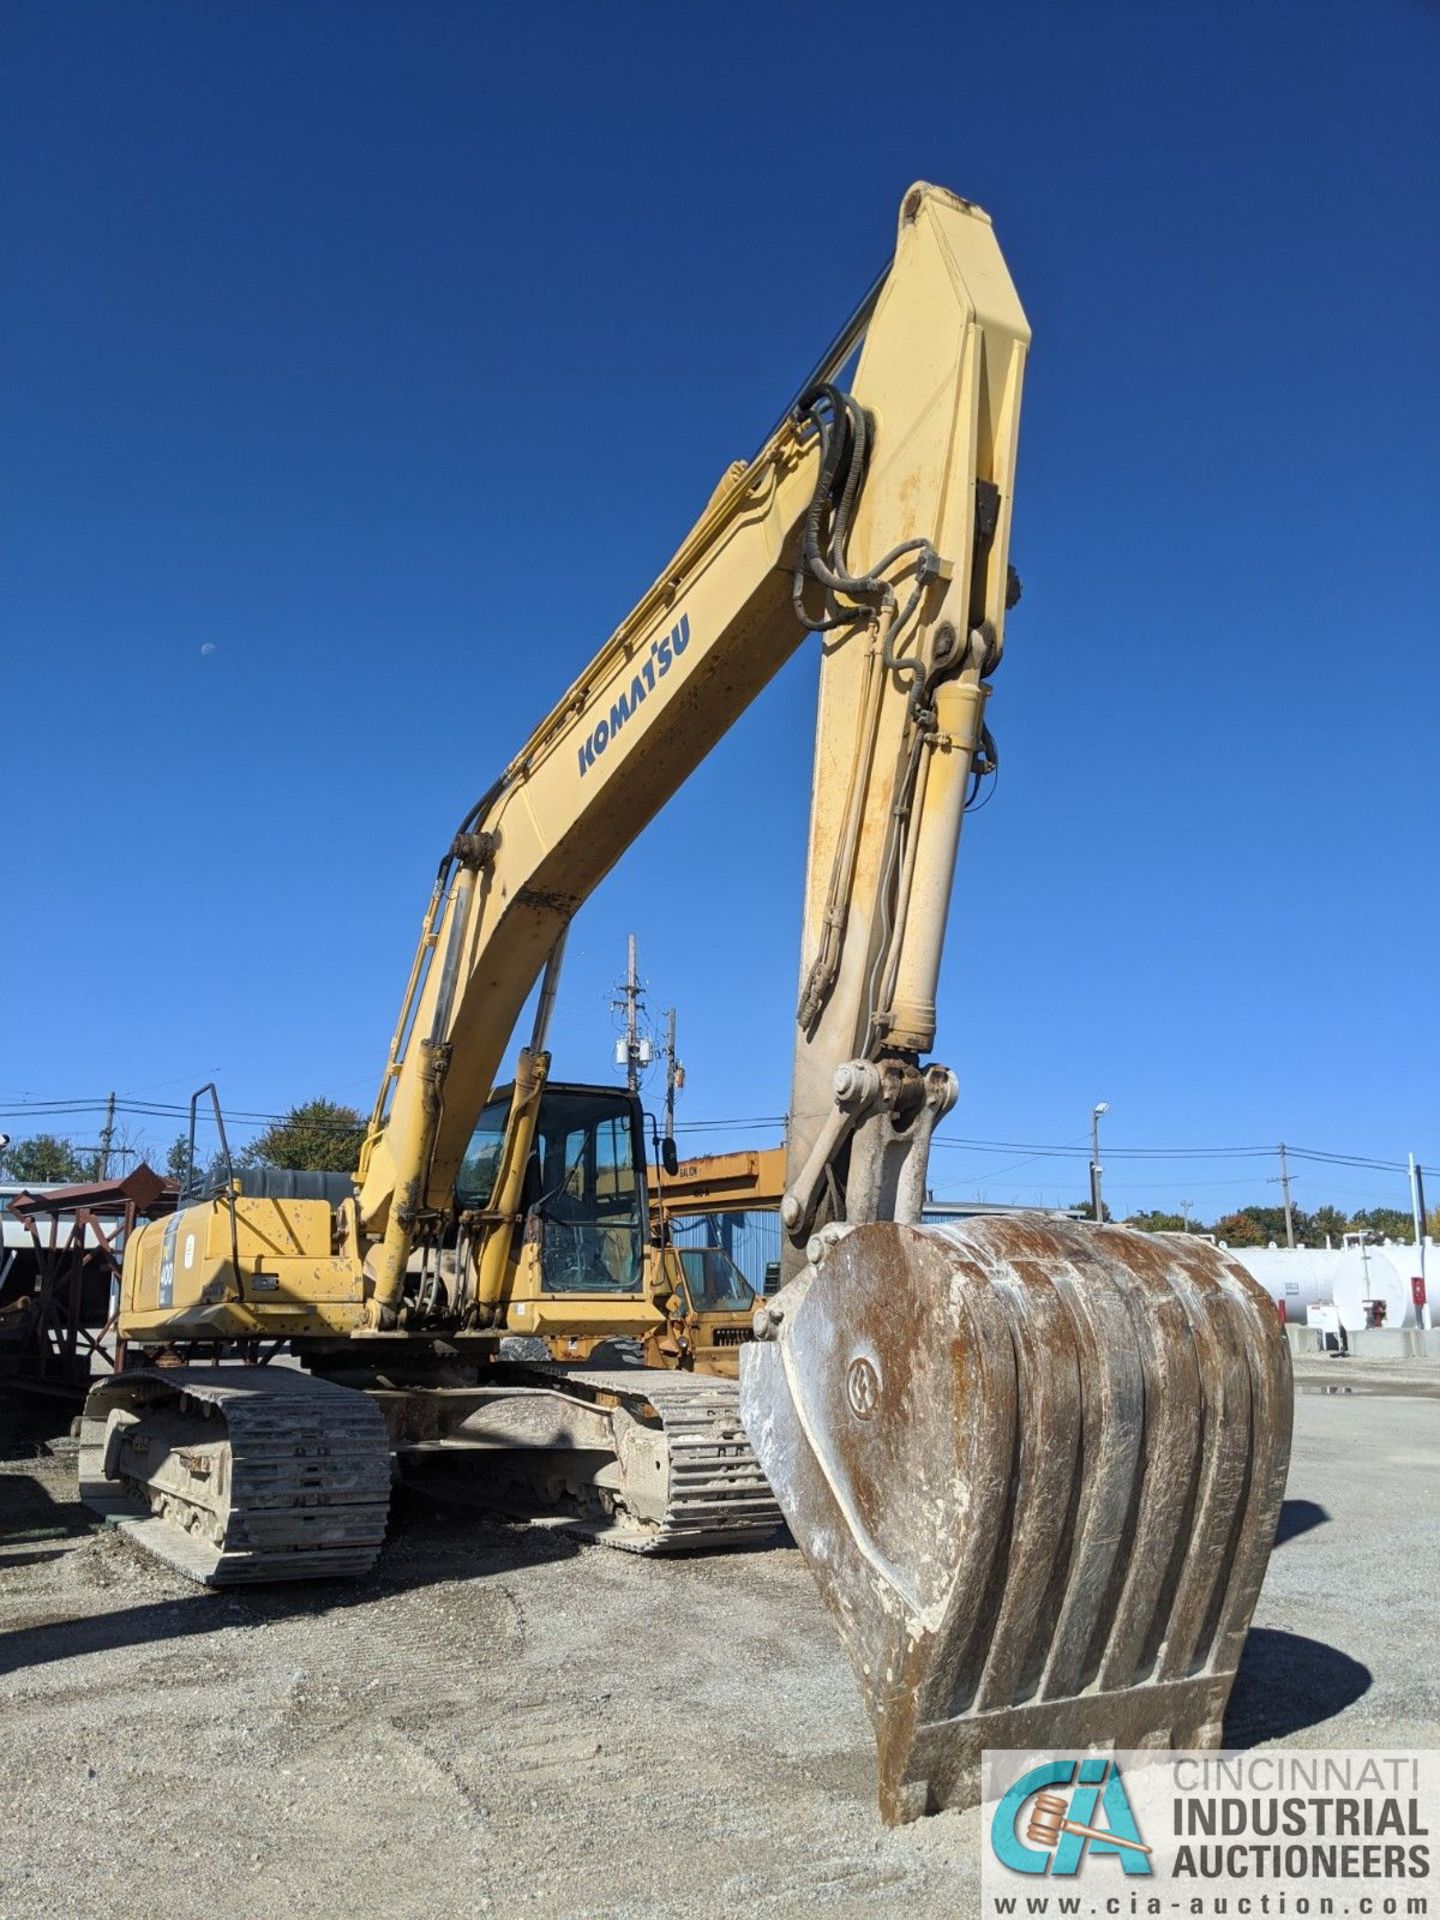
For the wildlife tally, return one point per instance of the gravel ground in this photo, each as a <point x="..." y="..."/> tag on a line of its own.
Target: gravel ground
<point x="502" y="1721"/>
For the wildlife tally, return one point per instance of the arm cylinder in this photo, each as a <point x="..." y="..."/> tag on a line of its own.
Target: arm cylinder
<point x="531" y="1070"/>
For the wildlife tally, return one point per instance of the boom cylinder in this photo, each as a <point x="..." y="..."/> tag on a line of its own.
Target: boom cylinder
<point x="531" y="1071"/>
<point x="959" y="711"/>
<point x="415" y="1117"/>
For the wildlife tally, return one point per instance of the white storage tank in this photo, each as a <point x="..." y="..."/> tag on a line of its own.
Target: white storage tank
<point x="1296" y="1278"/>
<point x="1355" y="1279"/>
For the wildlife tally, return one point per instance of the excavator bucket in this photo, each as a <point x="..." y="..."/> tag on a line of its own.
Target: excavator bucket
<point x="1035" y="1467"/>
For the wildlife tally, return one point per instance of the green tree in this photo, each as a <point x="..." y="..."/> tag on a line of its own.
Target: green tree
<point x="1086" y="1209"/>
<point x="1156" y="1222"/>
<point x="318" y="1136"/>
<point x="209" y="1174"/>
<point x="1258" y="1226"/>
<point x="1390" y="1223"/>
<point x="44" y="1157"/>
<point x="177" y="1158"/>
<point x="1326" y="1223"/>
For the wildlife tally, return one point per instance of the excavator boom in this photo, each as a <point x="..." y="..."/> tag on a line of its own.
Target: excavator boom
<point x="878" y="518"/>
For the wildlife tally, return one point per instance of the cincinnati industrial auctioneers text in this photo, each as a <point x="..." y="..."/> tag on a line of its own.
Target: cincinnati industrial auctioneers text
<point x="1296" y="1817"/>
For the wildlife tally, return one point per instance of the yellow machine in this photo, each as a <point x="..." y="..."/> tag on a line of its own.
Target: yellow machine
<point x="711" y="1307"/>
<point x="1034" y="1465"/>
<point x="720" y="1183"/>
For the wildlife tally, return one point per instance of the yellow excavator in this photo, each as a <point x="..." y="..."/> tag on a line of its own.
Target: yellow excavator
<point x="1034" y="1465"/>
<point x="698" y="1205"/>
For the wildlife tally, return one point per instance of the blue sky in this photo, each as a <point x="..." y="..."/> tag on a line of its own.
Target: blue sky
<point x="364" y="362"/>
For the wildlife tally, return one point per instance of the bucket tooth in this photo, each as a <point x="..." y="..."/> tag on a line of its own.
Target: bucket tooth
<point x="1035" y="1468"/>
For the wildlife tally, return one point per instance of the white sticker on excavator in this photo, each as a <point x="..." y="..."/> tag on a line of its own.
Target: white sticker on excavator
<point x="167" y="1262"/>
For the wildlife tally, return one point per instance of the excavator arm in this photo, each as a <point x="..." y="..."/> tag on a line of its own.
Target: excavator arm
<point x="1035" y="1466"/>
<point x="879" y="517"/>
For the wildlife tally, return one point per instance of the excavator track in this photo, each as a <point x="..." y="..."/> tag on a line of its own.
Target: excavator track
<point x="715" y="1493"/>
<point x="238" y="1475"/>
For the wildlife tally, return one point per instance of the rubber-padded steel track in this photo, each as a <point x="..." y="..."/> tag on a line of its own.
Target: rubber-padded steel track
<point x="232" y="1474"/>
<point x="715" y="1492"/>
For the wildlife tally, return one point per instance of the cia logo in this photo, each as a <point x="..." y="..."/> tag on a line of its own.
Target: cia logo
<point x="1058" y="1830"/>
<point x="862" y="1387"/>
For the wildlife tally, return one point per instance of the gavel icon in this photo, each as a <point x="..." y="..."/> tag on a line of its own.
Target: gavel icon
<point x="1048" y="1822"/>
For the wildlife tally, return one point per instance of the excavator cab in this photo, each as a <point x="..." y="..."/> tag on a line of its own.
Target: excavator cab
<point x="582" y="1202"/>
<point x="712" y="1282"/>
<point x="586" y="1266"/>
<point x="710" y="1308"/>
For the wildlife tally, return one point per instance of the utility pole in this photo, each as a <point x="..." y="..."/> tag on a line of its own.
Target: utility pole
<point x="107" y="1134"/>
<point x="1417" y="1207"/>
<point x="1097" y="1204"/>
<point x="674" y="1075"/>
<point x="632" y="1049"/>
<point x="1285" y="1188"/>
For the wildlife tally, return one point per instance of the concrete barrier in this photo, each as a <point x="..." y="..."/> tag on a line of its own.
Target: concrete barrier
<point x="1371" y="1343"/>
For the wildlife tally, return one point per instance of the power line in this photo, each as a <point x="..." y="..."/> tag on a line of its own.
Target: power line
<point x="1177" y="1153"/>
<point x="1129" y="1153"/>
<point x="1348" y="1160"/>
<point x="1033" y="1150"/>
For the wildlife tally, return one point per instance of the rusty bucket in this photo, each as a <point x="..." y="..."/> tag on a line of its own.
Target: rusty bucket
<point x="1035" y="1467"/>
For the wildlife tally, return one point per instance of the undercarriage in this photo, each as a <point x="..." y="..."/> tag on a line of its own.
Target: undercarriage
<point x="265" y="1473"/>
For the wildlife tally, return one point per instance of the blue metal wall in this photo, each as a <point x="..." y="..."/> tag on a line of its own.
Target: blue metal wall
<point x="752" y="1238"/>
